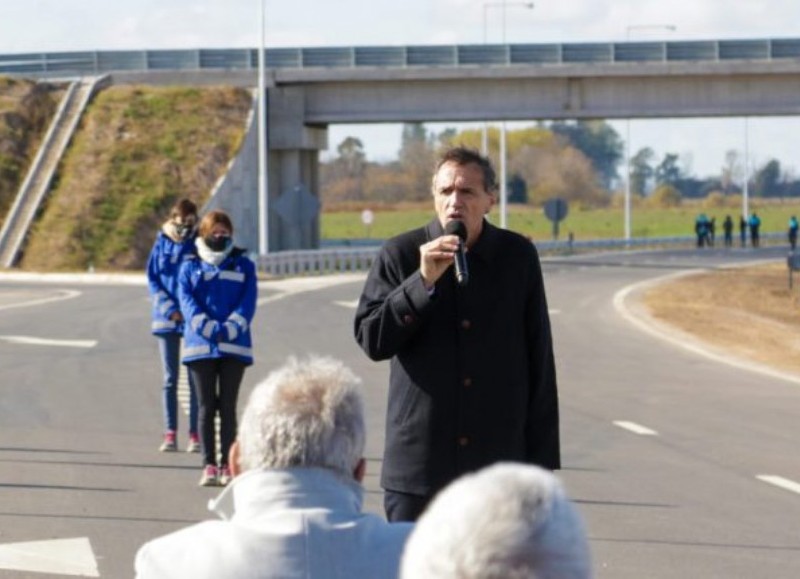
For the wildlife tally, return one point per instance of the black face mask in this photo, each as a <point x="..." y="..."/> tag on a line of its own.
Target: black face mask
<point x="184" y="228"/>
<point x="217" y="243"/>
<point x="183" y="231"/>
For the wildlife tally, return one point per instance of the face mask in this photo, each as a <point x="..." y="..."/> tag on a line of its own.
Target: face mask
<point x="183" y="230"/>
<point x="184" y="227"/>
<point x="217" y="243"/>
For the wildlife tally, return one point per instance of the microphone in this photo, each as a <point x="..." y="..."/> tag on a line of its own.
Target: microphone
<point x="458" y="228"/>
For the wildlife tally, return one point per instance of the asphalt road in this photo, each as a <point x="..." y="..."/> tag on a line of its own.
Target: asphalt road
<point x="663" y="448"/>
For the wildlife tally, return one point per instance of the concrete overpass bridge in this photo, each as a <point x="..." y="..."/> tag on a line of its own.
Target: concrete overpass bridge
<point x="311" y="88"/>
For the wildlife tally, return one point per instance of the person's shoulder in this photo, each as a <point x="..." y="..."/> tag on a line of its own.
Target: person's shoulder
<point x="411" y="237"/>
<point x="513" y="240"/>
<point x="165" y="556"/>
<point x="190" y="262"/>
<point x="160" y="239"/>
<point x="385" y="536"/>
<point x="404" y="247"/>
<point x="240" y="258"/>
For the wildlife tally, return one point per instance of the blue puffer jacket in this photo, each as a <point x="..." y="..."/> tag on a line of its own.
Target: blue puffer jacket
<point x="218" y="304"/>
<point x="163" y="266"/>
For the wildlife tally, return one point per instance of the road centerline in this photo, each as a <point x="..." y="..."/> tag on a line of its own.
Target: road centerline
<point x="779" y="481"/>
<point x="33" y="341"/>
<point x="635" y="428"/>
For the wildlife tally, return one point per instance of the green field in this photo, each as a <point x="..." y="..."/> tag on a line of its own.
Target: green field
<point x="584" y="224"/>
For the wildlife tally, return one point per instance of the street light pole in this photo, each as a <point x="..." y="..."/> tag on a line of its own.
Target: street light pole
<point x="746" y="187"/>
<point x="263" y="191"/>
<point x="503" y="191"/>
<point x="484" y="136"/>
<point x="628" y="180"/>
<point x="628" y="149"/>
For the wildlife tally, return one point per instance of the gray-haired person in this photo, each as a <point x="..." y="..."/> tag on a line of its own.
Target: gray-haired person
<point x="294" y="506"/>
<point x="508" y="521"/>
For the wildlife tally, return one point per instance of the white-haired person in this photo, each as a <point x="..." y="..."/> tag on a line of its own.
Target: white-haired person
<point x="293" y="508"/>
<point x="507" y="521"/>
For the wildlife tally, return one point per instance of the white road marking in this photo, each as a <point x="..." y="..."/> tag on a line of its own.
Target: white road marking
<point x="635" y="428"/>
<point x="30" y="340"/>
<point x="647" y="323"/>
<point x="64" y="295"/>
<point x="60" y="556"/>
<point x="553" y="312"/>
<point x="292" y="286"/>
<point x="781" y="482"/>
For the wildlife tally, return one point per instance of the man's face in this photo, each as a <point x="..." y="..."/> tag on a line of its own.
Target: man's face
<point x="459" y="194"/>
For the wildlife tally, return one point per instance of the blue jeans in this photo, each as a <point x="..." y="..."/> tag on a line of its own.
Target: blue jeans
<point x="169" y="345"/>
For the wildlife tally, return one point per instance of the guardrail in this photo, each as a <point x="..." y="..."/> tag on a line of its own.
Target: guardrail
<point x="316" y="261"/>
<point x="469" y="55"/>
<point x="349" y="259"/>
<point x="793" y="264"/>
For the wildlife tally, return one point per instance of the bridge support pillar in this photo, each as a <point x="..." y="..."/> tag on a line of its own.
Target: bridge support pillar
<point x="293" y="177"/>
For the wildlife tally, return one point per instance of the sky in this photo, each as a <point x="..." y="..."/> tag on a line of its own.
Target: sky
<point x="68" y="25"/>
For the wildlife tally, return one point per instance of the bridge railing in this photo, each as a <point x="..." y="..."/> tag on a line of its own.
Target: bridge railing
<point x="469" y="55"/>
<point x="350" y="259"/>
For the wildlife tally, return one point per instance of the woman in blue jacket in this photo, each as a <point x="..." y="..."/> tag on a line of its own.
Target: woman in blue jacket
<point x="173" y="245"/>
<point x="217" y="291"/>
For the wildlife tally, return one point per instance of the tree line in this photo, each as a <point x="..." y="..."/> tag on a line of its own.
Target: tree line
<point x="580" y="161"/>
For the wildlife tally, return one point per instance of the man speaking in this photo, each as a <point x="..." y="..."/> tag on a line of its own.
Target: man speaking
<point x="472" y="378"/>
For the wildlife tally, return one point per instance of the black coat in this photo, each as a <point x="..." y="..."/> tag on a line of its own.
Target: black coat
<point x="472" y="378"/>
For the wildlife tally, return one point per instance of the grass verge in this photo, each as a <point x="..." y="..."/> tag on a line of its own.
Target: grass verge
<point x="748" y="312"/>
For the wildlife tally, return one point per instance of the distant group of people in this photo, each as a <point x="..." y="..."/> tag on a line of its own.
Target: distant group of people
<point x="705" y="228"/>
<point x="472" y="426"/>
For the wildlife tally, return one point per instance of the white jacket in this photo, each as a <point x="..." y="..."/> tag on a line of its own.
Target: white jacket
<point x="298" y="522"/>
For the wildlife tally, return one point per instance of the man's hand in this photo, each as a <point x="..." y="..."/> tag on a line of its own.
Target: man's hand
<point x="435" y="257"/>
<point x="176" y="317"/>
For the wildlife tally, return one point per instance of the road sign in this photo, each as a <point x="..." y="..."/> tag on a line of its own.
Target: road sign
<point x="556" y="210"/>
<point x="297" y="206"/>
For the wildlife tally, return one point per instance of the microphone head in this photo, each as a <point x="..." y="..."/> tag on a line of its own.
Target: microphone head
<point x="458" y="228"/>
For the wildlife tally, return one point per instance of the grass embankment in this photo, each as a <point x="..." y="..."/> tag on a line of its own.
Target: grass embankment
<point x="136" y="152"/>
<point x="26" y="109"/>
<point x="585" y="224"/>
<point x="749" y="313"/>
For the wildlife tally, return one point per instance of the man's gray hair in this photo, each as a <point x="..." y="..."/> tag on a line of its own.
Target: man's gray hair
<point x="306" y="413"/>
<point x="509" y="521"/>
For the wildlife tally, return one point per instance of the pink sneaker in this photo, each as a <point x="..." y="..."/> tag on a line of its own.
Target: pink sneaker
<point x="209" y="478"/>
<point x="224" y="475"/>
<point x="170" y="444"/>
<point x="194" y="443"/>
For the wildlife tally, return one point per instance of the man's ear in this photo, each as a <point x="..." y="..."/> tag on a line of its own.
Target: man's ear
<point x="360" y="471"/>
<point x="233" y="459"/>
